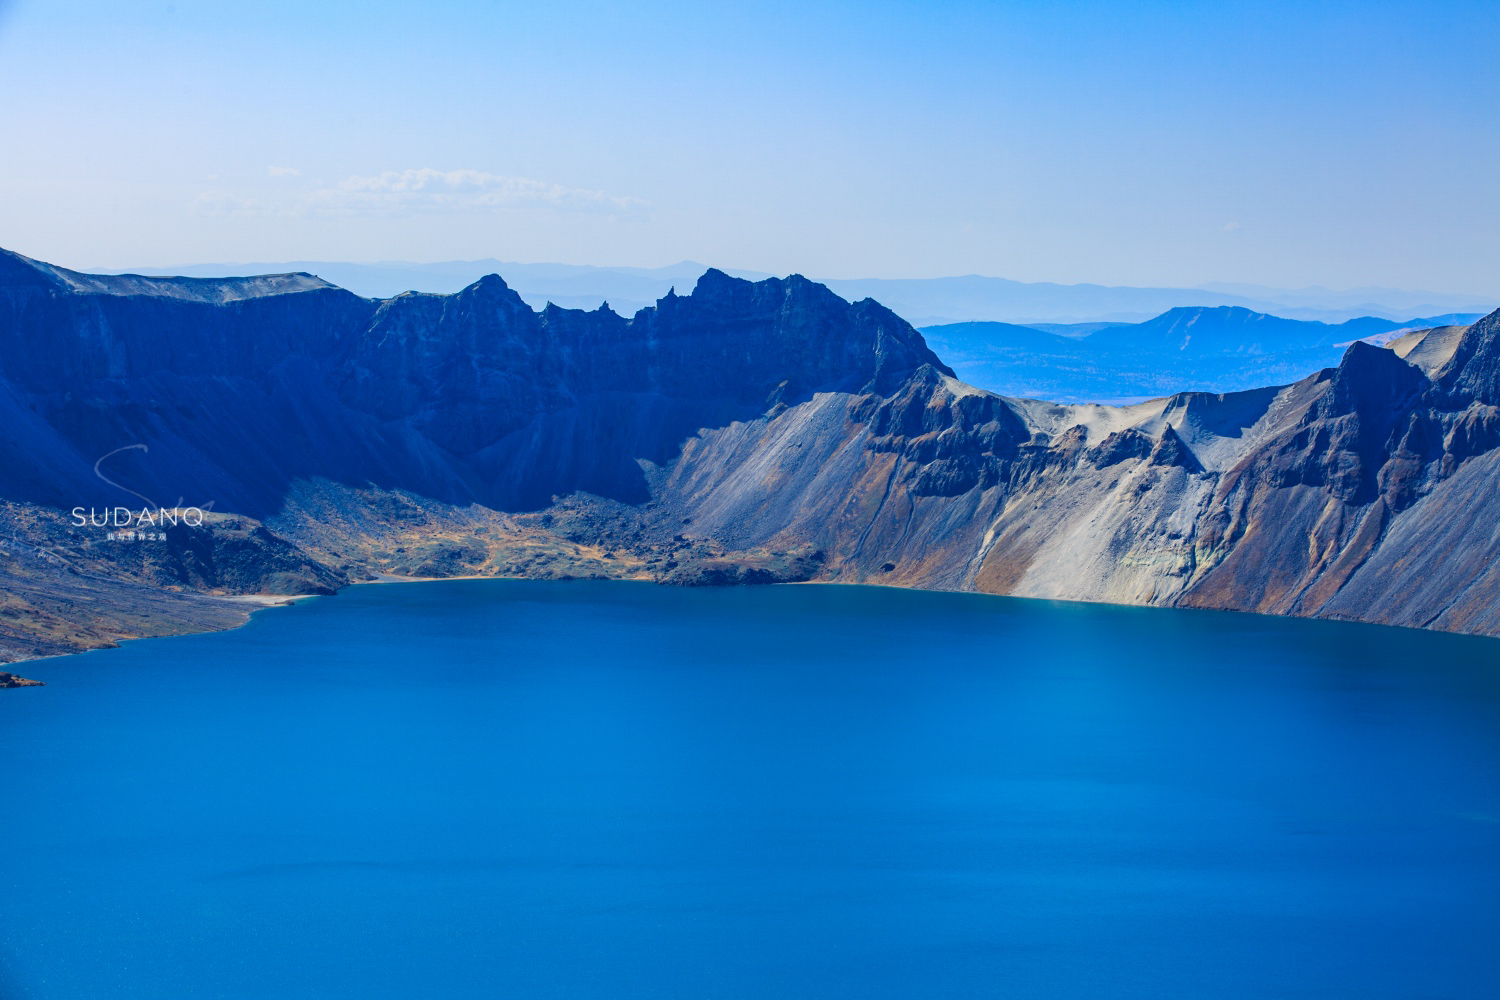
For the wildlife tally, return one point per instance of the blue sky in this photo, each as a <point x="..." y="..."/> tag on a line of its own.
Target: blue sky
<point x="1167" y="143"/>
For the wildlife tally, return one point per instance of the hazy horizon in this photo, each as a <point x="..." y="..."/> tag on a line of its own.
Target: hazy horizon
<point x="922" y="301"/>
<point x="1212" y="285"/>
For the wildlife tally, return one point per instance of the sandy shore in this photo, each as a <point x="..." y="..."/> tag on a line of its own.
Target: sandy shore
<point x="266" y="600"/>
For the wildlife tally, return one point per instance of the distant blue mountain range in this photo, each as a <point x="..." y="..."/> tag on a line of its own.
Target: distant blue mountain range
<point x="921" y="301"/>
<point x="1218" y="349"/>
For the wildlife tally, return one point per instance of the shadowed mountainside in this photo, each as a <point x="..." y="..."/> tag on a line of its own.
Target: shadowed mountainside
<point x="749" y="432"/>
<point x="241" y="387"/>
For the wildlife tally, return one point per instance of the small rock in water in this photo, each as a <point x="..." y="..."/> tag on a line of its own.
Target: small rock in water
<point x="10" y="680"/>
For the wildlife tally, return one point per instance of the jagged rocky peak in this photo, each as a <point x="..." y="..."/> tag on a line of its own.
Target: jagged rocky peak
<point x="1472" y="374"/>
<point x="1171" y="450"/>
<point x="466" y="396"/>
<point x="1119" y="446"/>
<point x="730" y="338"/>
<point x="786" y="329"/>
<point x="1372" y="380"/>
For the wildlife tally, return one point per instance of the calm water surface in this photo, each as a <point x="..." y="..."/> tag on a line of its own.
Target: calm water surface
<point x="604" y="790"/>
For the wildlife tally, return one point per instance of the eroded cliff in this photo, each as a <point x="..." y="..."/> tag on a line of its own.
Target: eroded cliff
<point x="748" y="432"/>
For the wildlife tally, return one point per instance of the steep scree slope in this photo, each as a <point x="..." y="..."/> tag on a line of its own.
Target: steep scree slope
<point x="746" y="432"/>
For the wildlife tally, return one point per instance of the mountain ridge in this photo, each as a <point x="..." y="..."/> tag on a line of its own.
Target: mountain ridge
<point x="746" y="432"/>
<point x="923" y="301"/>
<point x="1216" y="348"/>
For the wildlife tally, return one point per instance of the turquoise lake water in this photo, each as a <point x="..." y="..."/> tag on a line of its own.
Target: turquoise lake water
<point x="607" y="790"/>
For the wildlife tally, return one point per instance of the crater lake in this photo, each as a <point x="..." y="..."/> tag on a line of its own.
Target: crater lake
<point x="495" y="788"/>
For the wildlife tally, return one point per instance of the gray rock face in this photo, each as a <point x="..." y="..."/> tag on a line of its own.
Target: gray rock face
<point x="747" y="432"/>
<point x="241" y="387"/>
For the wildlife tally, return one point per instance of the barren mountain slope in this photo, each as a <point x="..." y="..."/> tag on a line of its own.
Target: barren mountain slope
<point x="749" y="432"/>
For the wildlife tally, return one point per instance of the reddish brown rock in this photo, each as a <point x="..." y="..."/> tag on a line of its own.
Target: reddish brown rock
<point x="10" y="680"/>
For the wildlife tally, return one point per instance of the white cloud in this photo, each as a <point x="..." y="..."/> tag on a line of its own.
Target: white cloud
<point x="283" y="172"/>
<point x="429" y="189"/>
<point x="396" y="192"/>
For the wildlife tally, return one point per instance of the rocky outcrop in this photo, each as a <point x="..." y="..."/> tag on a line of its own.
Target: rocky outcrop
<point x="243" y="387"/>
<point x="10" y="680"/>
<point x="747" y="432"/>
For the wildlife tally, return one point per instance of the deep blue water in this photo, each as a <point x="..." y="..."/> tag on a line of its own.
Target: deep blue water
<point x="605" y="790"/>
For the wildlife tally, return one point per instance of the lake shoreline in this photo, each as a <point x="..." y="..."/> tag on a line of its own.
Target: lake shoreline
<point x="261" y="602"/>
